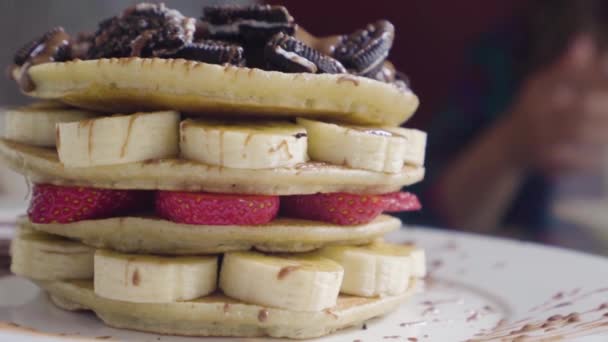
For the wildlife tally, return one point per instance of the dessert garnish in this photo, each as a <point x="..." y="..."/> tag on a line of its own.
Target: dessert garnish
<point x="254" y="36"/>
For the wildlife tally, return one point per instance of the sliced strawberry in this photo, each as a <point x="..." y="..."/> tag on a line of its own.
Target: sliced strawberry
<point x="400" y="201"/>
<point x="216" y="209"/>
<point x="347" y="209"/>
<point x="64" y="204"/>
<point x="337" y="208"/>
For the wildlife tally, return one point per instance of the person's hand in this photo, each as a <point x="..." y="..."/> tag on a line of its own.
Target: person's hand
<point x="559" y="121"/>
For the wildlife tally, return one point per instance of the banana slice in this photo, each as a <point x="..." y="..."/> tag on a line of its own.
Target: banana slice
<point x="48" y="257"/>
<point x="244" y="145"/>
<point x="153" y="279"/>
<point x="35" y="124"/>
<point x="378" y="269"/>
<point x="118" y="139"/>
<point x="418" y="259"/>
<point x="384" y="149"/>
<point x="298" y="283"/>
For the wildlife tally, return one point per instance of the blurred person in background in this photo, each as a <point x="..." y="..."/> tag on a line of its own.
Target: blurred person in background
<point x="533" y="106"/>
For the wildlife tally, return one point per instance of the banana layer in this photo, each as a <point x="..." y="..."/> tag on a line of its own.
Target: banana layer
<point x="41" y="165"/>
<point x="217" y="315"/>
<point x="170" y="295"/>
<point x="134" y="84"/>
<point x="297" y="282"/>
<point x="85" y="141"/>
<point x="155" y="236"/>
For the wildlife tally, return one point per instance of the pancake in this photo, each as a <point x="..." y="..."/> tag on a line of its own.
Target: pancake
<point x="218" y="315"/>
<point x="150" y="235"/>
<point x="148" y="84"/>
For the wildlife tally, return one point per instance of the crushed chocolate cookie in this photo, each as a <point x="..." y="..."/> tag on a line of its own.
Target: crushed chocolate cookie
<point x="209" y="51"/>
<point x="255" y="36"/>
<point x="365" y="50"/>
<point x="144" y="30"/>
<point x="248" y="23"/>
<point x="285" y="53"/>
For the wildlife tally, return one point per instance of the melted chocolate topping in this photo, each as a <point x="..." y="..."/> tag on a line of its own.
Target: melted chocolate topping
<point x="53" y="46"/>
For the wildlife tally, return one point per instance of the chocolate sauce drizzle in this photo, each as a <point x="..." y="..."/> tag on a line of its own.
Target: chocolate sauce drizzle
<point x="556" y="326"/>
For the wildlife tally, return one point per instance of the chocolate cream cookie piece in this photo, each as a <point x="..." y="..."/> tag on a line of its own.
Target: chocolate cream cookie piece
<point x="249" y="24"/>
<point x="209" y="51"/>
<point x="144" y="30"/>
<point x="286" y="53"/>
<point x="365" y="50"/>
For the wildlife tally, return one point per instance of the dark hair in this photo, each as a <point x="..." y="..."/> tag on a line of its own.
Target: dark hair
<point x="554" y="23"/>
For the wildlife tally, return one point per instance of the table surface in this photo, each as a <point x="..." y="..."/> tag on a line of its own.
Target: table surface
<point x="4" y="258"/>
<point x="6" y="231"/>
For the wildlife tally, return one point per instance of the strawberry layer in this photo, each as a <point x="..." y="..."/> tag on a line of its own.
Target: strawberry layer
<point x="59" y="204"/>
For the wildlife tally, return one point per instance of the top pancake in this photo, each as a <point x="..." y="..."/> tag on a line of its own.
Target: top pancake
<point x="147" y="84"/>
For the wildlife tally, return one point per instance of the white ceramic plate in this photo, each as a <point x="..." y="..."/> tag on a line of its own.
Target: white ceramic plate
<point x="479" y="289"/>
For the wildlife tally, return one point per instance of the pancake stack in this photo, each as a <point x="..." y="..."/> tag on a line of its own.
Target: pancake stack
<point x="226" y="175"/>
